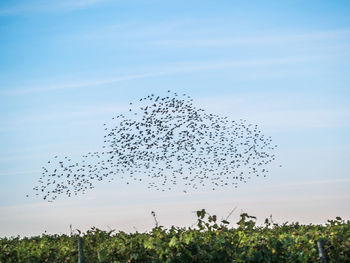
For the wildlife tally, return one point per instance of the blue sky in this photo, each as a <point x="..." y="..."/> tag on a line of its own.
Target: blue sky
<point x="68" y="66"/>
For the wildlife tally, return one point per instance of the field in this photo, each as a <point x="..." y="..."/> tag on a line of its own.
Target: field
<point x="210" y="241"/>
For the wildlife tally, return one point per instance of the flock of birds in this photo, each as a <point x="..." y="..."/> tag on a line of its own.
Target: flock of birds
<point x="166" y="143"/>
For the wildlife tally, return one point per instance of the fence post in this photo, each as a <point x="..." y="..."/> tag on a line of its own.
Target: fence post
<point x="80" y="251"/>
<point x="321" y="252"/>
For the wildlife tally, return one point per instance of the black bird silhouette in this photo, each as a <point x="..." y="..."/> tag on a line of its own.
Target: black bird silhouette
<point x="168" y="143"/>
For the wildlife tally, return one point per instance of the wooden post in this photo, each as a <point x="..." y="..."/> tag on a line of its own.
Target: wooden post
<point x="321" y="252"/>
<point x="80" y="251"/>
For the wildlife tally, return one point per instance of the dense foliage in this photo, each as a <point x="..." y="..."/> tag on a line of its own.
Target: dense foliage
<point x="210" y="241"/>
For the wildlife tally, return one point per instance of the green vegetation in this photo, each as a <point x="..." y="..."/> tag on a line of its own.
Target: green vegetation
<point x="211" y="241"/>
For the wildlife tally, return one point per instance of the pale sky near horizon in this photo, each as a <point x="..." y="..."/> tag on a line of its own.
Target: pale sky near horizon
<point x="66" y="67"/>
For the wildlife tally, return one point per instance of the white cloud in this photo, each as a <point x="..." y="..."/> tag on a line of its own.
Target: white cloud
<point x="172" y="69"/>
<point x="48" y="6"/>
<point x="74" y="114"/>
<point x="256" y="40"/>
<point x="16" y="173"/>
<point x="276" y="113"/>
<point x="307" y="183"/>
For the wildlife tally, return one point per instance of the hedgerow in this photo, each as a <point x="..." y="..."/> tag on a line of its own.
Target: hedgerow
<point x="210" y="241"/>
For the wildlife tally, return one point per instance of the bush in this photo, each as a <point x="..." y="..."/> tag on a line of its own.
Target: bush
<point x="210" y="241"/>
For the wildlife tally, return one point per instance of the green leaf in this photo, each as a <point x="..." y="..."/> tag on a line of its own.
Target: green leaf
<point x="173" y="241"/>
<point x="188" y="239"/>
<point x="102" y="255"/>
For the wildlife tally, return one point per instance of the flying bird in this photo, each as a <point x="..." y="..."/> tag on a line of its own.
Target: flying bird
<point x="167" y="144"/>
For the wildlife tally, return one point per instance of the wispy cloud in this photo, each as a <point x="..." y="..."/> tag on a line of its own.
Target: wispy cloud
<point x="81" y="84"/>
<point x="276" y="38"/>
<point x="178" y="68"/>
<point x="74" y="113"/>
<point x="19" y="173"/>
<point x="48" y="6"/>
<point x="316" y="182"/>
<point x="304" y="118"/>
<point x="273" y="112"/>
